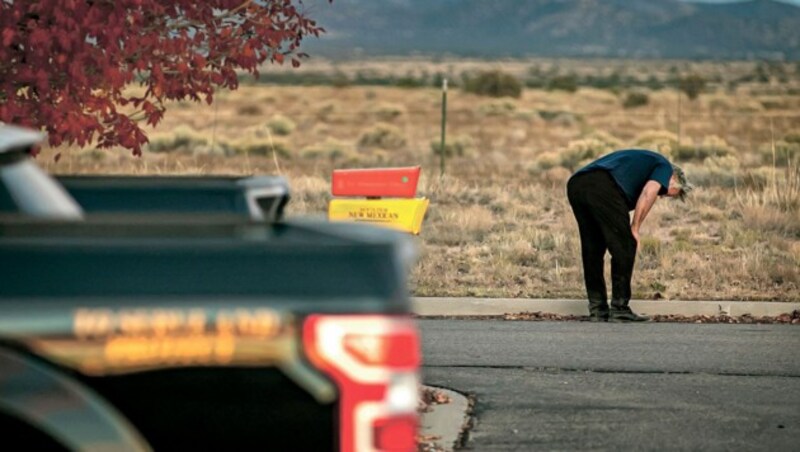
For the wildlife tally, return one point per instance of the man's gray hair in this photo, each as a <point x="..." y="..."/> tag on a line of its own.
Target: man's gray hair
<point x="684" y="185"/>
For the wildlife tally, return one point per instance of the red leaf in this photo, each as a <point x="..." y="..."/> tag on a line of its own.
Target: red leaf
<point x="8" y="36"/>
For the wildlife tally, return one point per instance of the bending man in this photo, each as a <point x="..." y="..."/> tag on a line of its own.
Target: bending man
<point x="601" y="195"/>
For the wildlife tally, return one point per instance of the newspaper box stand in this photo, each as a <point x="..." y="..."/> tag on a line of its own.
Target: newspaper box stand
<point x="390" y="197"/>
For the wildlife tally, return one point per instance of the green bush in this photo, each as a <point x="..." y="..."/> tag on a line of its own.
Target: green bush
<point x="568" y="83"/>
<point x="263" y="147"/>
<point x="610" y="141"/>
<point x="580" y="152"/>
<point x="792" y="137"/>
<point x="692" y="85"/>
<point x="249" y="110"/>
<point x="494" y="84"/>
<point x="382" y="136"/>
<point x="388" y="112"/>
<point x="460" y="146"/>
<point x="182" y="138"/>
<point x="281" y="125"/>
<point x="340" y="80"/>
<point x="409" y="81"/>
<point x="718" y="172"/>
<point x="636" y="99"/>
<point x="711" y="146"/>
<point x="786" y="153"/>
<point x="548" y="160"/>
<point x="92" y="154"/>
<point x="556" y="115"/>
<point x="771" y="104"/>
<point x="661" y="141"/>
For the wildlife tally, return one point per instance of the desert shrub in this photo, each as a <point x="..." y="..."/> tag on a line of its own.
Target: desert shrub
<point x="720" y="171"/>
<point x="331" y="148"/>
<point x="460" y="146"/>
<point x="580" y="152"/>
<point x="221" y="149"/>
<point x="662" y="141"/>
<point x="410" y="81"/>
<point x="183" y="138"/>
<point x="497" y="108"/>
<point x="324" y="113"/>
<point x="606" y="138"/>
<point x="792" y="137"/>
<point x="340" y="80"/>
<point x="692" y="85"/>
<point x="773" y="104"/>
<point x="547" y="160"/>
<point x="92" y="154"/>
<point x="281" y="125"/>
<point x="388" y="112"/>
<point x="494" y="84"/>
<point x="712" y="145"/>
<point x="786" y="153"/>
<point x="564" y="118"/>
<point x="249" y="110"/>
<point x="568" y="83"/>
<point x="383" y="136"/>
<point x="262" y="147"/>
<point x="636" y="99"/>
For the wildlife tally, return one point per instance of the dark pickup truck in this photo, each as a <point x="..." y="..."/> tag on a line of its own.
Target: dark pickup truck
<point x="193" y="330"/>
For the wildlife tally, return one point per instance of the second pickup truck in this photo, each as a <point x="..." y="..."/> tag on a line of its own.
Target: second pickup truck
<point x="198" y="331"/>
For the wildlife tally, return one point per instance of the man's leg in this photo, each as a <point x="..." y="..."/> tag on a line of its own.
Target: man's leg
<point x="611" y="213"/>
<point x="593" y="249"/>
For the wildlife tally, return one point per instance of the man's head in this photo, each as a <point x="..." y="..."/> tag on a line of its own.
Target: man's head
<point x="679" y="187"/>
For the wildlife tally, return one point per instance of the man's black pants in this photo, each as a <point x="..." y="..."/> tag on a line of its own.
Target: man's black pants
<point x="602" y="214"/>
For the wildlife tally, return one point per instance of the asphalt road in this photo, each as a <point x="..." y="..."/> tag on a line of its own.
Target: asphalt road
<point x="586" y="386"/>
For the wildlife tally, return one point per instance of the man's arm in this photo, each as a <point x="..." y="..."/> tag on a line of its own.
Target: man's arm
<point x="643" y="204"/>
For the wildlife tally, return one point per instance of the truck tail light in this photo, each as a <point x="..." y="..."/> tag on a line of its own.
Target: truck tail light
<point x="395" y="433"/>
<point x="374" y="360"/>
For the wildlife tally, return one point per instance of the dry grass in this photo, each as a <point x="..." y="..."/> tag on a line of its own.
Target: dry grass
<point x="499" y="223"/>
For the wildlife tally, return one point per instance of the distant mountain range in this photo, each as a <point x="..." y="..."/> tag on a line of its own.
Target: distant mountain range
<point x="558" y="28"/>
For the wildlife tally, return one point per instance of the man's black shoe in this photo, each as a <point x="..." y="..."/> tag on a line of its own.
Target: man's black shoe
<point x="598" y="310"/>
<point x="625" y="315"/>
<point x="621" y="312"/>
<point x="598" y="316"/>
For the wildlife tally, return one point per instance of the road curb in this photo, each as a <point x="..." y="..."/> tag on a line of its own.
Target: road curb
<point x="445" y="422"/>
<point x="456" y="306"/>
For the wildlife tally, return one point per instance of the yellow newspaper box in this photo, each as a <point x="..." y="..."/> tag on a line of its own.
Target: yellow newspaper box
<point x="403" y="214"/>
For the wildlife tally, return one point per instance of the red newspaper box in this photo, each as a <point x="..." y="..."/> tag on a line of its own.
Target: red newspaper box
<point x="376" y="182"/>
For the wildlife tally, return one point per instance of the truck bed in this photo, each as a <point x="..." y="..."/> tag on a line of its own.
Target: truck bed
<point x="259" y="197"/>
<point x="311" y="266"/>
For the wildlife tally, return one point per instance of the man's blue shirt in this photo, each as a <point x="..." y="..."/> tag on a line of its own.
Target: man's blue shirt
<point x="631" y="169"/>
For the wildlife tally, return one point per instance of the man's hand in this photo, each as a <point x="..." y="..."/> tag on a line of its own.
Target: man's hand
<point x="643" y="205"/>
<point x="635" y="233"/>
